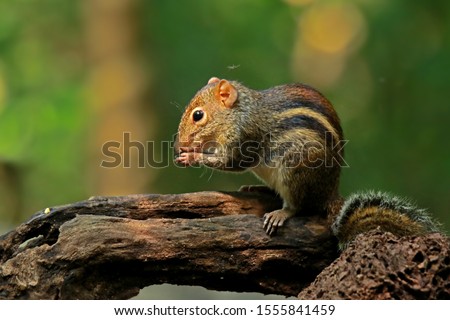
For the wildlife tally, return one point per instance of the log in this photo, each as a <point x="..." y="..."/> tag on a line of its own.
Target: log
<point x="111" y="247"/>
<point x="379" y="265"/>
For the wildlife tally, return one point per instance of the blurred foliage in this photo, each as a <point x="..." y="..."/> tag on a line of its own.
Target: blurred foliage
<point x="384" y="64"/>
<point x="42" y="112"/>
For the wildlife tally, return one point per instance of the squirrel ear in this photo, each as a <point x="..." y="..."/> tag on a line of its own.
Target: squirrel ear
<point x="213" y="80"/>
<point x="226" y="93"/>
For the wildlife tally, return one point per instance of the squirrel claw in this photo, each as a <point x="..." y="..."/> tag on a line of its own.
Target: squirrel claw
<point x="275" y="219"/>
<point x="182" y="159"/>
<point x="189" y="158"/>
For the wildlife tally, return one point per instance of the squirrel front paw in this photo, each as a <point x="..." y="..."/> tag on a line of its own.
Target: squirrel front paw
<point x="275" y="219"/>
<point x="189" y="156"/>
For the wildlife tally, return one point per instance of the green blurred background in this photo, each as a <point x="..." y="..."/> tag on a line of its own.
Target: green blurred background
<point x="77" y="74"/>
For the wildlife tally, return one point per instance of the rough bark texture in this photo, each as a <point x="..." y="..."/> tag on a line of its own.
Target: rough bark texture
<point x="381" y="266"/>
<point x="110" y="247"/>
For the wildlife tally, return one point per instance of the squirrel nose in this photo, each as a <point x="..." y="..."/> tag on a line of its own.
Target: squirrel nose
<point x="178" y="144"/>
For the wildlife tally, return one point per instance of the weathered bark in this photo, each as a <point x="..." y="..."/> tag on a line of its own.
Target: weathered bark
<point x="382" y="266"/>
<point x="110" y="247"/>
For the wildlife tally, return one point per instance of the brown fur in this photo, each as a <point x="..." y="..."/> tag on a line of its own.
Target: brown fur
<point x="286" y="123"/>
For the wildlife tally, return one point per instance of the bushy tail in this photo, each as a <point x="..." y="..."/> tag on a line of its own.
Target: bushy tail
<point x="370" y="210"/>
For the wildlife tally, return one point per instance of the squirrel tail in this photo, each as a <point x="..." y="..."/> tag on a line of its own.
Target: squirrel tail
<point x="370" y="210"/>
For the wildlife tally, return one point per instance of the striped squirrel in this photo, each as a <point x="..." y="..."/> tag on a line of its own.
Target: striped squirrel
<point x="291" y="138"/>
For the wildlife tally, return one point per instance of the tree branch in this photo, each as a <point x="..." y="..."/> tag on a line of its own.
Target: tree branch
<point x="380" y="265"/>
<point x="110" y="247"/>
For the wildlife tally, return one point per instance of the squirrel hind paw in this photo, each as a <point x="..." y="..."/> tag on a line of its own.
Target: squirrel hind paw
<point x="275" y="219"/>
<point x="257" y="189"/>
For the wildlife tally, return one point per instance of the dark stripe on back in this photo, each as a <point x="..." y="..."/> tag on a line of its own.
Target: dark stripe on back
<point x="304" y="96"/>
<point x="302" y="121"/>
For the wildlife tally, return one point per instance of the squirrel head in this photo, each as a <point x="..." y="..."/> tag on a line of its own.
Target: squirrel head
<point x="205" y="121"/>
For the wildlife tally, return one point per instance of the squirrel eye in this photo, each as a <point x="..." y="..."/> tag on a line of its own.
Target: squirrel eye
<point x="197" y="115"/>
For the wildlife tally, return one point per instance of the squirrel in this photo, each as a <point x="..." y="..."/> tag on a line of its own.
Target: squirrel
<point x="290" y="137"/>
